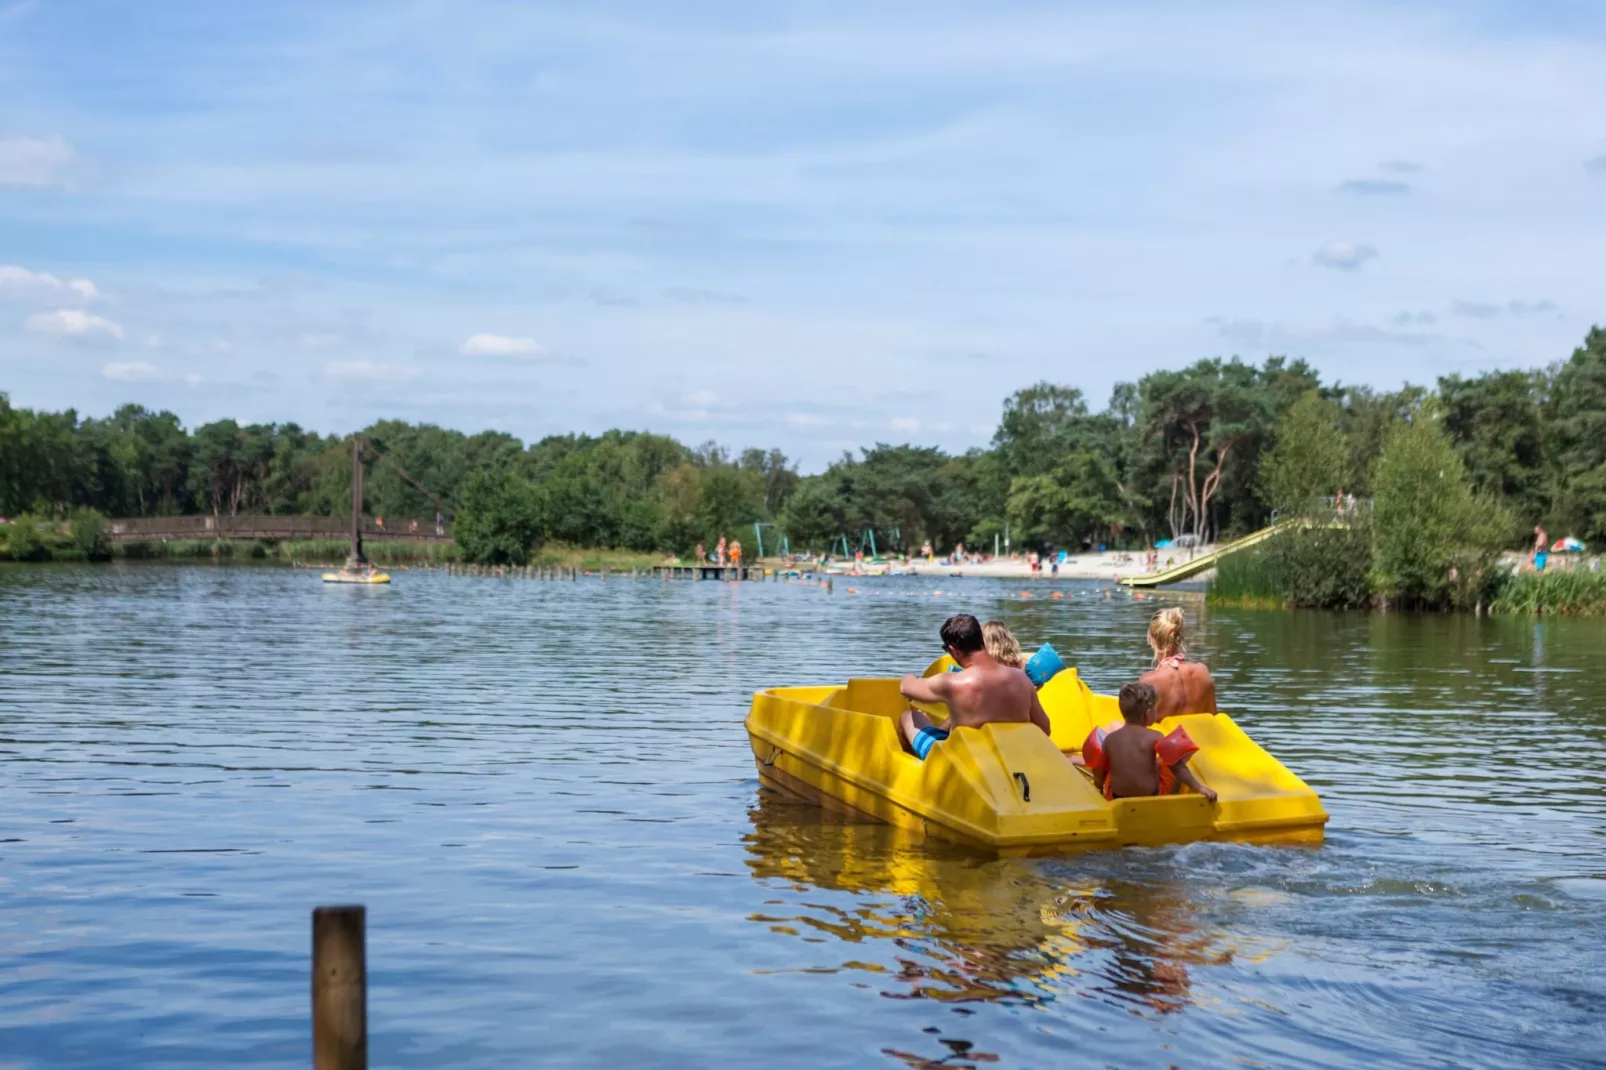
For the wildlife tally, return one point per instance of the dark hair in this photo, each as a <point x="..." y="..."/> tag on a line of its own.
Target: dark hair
<point x="962" y="634"/>
<point x="1137" y="699"/>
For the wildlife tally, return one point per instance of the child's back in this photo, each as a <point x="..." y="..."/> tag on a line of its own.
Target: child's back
<point x="1133" y="767"/>
<point x="1136" y="760"/>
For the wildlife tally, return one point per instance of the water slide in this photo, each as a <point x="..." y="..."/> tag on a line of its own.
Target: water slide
<point x="1205" y="561"/>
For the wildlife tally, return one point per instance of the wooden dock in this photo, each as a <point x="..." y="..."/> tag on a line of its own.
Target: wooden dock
<point x="709" y="572"/>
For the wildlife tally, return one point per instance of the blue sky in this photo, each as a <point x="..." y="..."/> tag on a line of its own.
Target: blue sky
<point x="808" y="225"/>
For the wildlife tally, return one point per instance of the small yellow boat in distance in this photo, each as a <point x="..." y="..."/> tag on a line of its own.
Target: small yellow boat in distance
<point x="1008" y="786"/>
<point x="357" y="576"/>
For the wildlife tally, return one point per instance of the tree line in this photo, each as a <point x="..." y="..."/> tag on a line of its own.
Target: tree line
<point x="1208" y="450"/>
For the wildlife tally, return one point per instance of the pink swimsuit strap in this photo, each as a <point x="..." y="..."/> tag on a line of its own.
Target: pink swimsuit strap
<point x="1173" y="662"/>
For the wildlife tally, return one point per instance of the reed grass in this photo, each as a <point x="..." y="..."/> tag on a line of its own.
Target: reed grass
<point x="1562" y="592"/>
<point x="1249" y="579"/>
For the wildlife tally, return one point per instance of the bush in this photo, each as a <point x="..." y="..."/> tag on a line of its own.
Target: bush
<point x="24" y="540"/>
<point x="498" y="520"/>
<point x="1324" y="567"/>
<point x="88" y="532"/>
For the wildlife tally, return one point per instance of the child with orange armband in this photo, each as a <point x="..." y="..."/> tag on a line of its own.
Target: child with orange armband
<point x="1135" y="759"/>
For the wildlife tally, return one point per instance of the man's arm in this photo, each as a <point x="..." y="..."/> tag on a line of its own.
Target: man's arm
<point x="1185" y="775"/>
<point x="1040" y="716"/>
<point x="925" y="689"/>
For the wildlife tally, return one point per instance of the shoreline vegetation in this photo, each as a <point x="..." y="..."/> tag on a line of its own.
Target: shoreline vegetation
<point x="58" y="543"/>
<point x="1426" y="490"/>
<point x="1268" y="577"/>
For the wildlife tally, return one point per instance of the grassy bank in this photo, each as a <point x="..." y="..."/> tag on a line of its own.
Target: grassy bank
<point x="1572" y="592"/>
<point x="593" y="560"/>
<point x="46" y="543"/>
<point x="55" y="542"/>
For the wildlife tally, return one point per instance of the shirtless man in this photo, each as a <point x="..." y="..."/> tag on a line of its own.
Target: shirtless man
<point x="1183" y="686"/>
<point x="982" y="692"/>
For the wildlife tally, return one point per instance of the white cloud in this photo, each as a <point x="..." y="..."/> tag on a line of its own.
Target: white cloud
<point x="702" y="399"/>
<point x="1343" y="255"/>
<point x="193" y="379"/>
<point x="804" y="419"/>
<point x="499" y="345"/>
<point x="35" y="162"/>
<point x="43" y="287"/>
<point x="72" y="321"/>
<point x="153" y="341"/>
<point x="907" y="425"/>
<point x="370" y="370"/>
<point x="317" y="340"/>
<point x="130" y="371"/>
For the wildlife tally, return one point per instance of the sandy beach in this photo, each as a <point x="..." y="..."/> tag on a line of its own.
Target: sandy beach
<point x="1111" y="565"/>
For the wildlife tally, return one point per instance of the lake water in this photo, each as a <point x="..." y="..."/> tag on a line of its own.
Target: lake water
<point x="544" y="795"/>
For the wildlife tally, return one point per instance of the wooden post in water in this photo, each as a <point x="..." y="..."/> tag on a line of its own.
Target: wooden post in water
<point x="354" y="557"/>
<point x="339" y="988"/>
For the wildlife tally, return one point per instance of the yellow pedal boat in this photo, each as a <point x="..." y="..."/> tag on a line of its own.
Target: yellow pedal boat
<point x="1008" y="786"/>
<point x="343" y="576"/>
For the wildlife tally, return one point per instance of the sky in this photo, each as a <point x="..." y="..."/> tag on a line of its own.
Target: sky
<point x="813" y="226"/>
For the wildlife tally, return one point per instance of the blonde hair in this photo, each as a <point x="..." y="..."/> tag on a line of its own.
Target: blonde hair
<point x="1001" y="644"/>
<point x="1165" y="633"/>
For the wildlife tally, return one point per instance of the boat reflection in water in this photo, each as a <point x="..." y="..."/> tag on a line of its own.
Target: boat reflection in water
<point x="962" y="926"/>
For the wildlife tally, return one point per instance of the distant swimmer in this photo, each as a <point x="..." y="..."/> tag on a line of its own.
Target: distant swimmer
<point x="1134" y="759"/>
<point x="1183" y="686"/>
<point x="982" y="692"/>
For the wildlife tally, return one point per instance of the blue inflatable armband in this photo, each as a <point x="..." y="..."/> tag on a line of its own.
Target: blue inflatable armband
<point x="1044" y="665"/>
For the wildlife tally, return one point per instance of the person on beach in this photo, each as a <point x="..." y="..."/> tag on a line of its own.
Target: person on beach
<point x="1135" y="760"/>
<point x="982" y="691"/>
<point x="719" y="551"/>
<point x="736" y="553"/>
<point x="1183" y="686"/>
<point x="1002" y="645"/>
<point x="701" y="555"/>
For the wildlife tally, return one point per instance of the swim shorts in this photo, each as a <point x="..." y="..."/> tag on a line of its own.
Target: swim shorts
<point x="925" y="739"/>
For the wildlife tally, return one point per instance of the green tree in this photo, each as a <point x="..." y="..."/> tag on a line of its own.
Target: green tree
<point x="1497" y="425"/>
<point x="498" y="521"/>
<point x="1039" y="423"/>
<point x="1204" y="423"/>
<point x="1310" y="459"/>
<point x="1577" y="411"/>
<point x="1078" y="499"/>
<point x="1434" y="542"/>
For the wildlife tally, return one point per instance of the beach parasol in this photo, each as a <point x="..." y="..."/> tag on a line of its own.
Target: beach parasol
<point x="1569" y="545"/>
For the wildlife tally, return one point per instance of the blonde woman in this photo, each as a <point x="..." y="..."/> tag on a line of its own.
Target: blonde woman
<point x="1183" y="686"/>
<point x="1002" y="645"/>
